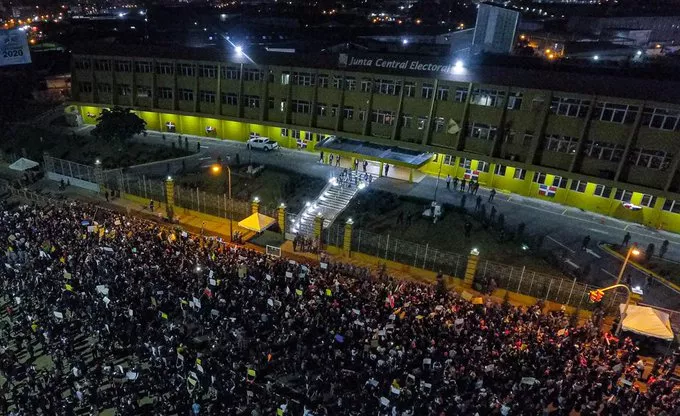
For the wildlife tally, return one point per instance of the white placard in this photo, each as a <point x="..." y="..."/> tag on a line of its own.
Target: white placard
<point x="268" y="277"/>
<point x="323" y="266"/>
<point x="14" y="48"/>
<point x="289" y="274"/>
<point x="103" y="290"/>
<point x="197" y="303"/>
<point x="109" y="249"/>
<point x="213" y="282"/>
<point x="91" y="228"/>
<point x="107" y="300"/>
<point x="58" y="315"/>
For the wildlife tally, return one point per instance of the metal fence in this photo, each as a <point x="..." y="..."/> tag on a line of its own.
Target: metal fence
<point x="71" y="169"/>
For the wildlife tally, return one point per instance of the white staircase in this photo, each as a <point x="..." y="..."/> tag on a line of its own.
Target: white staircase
<point x="334" y="198"/>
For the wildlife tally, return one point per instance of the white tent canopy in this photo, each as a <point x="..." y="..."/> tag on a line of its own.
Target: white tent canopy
<point x="23" y="164"/>
<point x="647" y="321"/>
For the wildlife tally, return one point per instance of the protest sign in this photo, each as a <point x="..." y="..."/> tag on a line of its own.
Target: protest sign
<point x="58" y="315"/>
<point x="103" y="290"/>
<point x="289" y="274"/>
<point x="298" y="292"/>
<point x="323" y="266"/>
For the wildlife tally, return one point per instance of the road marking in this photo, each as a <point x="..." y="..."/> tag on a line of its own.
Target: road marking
<point x="204" y="147"/>
<point x="571" y="263"/>
<point x="592" y="253"/>
<point x="205" y="158"/>
<point x="626" y="227"/>
<point x="609" y="273"/>
<point x="599" y="231"/>
<point x="565" y="211"/>
<point x="557" y="242"/>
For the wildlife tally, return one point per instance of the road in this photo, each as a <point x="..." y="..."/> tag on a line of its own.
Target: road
<point x="563" y="227"/>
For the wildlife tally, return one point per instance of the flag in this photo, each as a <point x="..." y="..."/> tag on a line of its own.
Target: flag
<point x="546" y="190"/>
<point x="471" y="174"/>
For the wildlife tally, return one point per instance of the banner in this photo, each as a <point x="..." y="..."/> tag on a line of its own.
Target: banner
<point x="14" y="48"/>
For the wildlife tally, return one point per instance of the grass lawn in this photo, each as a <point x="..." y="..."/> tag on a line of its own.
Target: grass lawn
<point x="33" y="142"/>
<point x="271" y="185"/>
<point x="377" y="212"/>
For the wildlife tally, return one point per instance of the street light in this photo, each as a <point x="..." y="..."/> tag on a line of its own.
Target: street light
<point x="216" y="169"/>
<point x="632" y="250"/>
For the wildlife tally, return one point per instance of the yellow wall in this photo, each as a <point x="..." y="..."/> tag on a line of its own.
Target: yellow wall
<point x="191" y="125"/>
<point x="152" y="119"/>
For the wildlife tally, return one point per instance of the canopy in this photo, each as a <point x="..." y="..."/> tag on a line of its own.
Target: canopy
<point x="647" y="321"/>
<point x="257" y="222"/>
<point x="23" y="164"/>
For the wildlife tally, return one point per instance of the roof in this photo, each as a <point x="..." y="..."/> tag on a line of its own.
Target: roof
<point x="658" y="83"/>
<point x="392" y="154"/>
<point x="257" y="222"/>
<point x="647" y="321"/>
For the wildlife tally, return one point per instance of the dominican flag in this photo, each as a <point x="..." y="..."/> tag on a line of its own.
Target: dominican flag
<point x="546" y="190"/>
<point x="471" y="174"/>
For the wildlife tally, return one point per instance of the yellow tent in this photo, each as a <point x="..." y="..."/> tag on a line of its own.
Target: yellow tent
<point x="257" y="222"/>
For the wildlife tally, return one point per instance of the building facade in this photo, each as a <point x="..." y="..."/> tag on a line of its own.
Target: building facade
<point x="604" y="144"/>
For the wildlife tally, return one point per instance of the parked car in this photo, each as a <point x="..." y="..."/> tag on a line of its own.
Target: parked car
<point x="262" y="143"/>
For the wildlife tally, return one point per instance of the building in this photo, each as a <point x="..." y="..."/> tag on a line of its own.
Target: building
<point x="495" y="30"/>
<point x="602" y="142"/>
<point x="663" y="29"/>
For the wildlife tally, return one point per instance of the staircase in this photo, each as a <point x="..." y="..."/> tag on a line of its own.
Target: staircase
<point x="334" y="198"/>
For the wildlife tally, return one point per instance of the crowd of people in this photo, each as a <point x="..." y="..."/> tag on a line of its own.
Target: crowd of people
<point x="122" y="313"/>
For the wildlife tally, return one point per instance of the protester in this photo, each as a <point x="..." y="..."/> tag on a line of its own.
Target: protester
<point x="127" y="310"/>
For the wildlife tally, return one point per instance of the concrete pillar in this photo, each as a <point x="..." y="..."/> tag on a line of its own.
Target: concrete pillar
<point x="282" y="218"/>
<point x="382" y="169"/>
<point x="410" y="175"/>
<point x="347" y="239"/>
<point x="318" y="226"/>
<point x="471" y="268"/>
<point x="255" y="205"/>
<point x="99" y="175"/>
<point x="170" y="197"/>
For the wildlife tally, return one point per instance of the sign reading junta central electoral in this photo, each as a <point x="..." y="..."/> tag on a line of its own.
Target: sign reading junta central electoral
<point x="415" y="65"/>
<point x="14" y="48"/>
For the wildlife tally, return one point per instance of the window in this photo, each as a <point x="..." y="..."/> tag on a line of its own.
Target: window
<point x="409" y="89"/>
<point x="487" y="97"/>
<point x="382" y="117"/>
<point x="465" y="163"/>
<point x="299" y="106"/>
<point x="82" y="64"/>
<point x="185" y="94"/>
<point x="283" y="105"/>
<point x="443" y="93"/>
<point x="520" y="173"/>
<point x="499" y="170"/>
<point x="449" y="160"/>
<point x="251" y="101"/>
<point x="602" y="191"/>
<point x="539" y="177"/>
<point x="102" y="65"/>
<point x="570" y="107"/>
<point x="559" y="182"/>
<point x="515" y="101"/>
<point x="164" y="68"/>
<point x="407" y="120"/>
<point x="334" y="110"/>
<point x="295" y="134"/>
<point x="186" y="70"/>
<point x="562" y="144"/>
<point x="321" y="110"/>
<point x="285" y="78"/>
<point x="104" y="88"/>
<point x="578" y="186"/>
<point x="124" y="89"/>
<point x="85" y="86"/>
<point x="229" y="98"/>
<point x="421" y="122"/>
<point x="350" y="84"/>
<point x="482" y="131"/>
<point x="603" y="150"/>
<point x="623" y="195"/>
<point x="337" y="82"/>
<point x="164" y="93"/>
<point x="672" y="206"/>
<point x="348" y="113"/>
<point x="366" y="85"/>
<point x="427" y="91"/>
<point x="143" y="91"/>
<point x="303" y="78"/>
<point x="252" y="74"/>
<point x="509" y="137"/>
<point x="206" y="96"/>
<point x="615" y="113"/>
<point x="323" y="81"/>
<point x="143" y="67"/>
<point x="123" y="66"/>
<point x="648" y="200"/>
<point x="439" y="124"/>
<point x="362" y="115"/>
<point x="388" y="87"/>
<point x="653" y="159"/>
<point x="284" y="132"/>
<point x="461" y="95"/>
<point x="231" y="72"/>
<point x="483" y="166"/>
<point x="660" y="118"/>
<point x="207" y="71"/>
<point x="528" y="138"/>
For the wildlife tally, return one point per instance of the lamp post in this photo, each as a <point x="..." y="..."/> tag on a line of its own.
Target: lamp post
<point x="625" y="308"/>
<point x="632" y="250"/>
<point x="436" y="185"/>
<point x="216" y="169"/>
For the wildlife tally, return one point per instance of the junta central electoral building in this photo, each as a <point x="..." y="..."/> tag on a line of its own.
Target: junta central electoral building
<point x="602" y="142"/>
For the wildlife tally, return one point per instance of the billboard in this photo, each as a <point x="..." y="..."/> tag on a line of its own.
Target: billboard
<point x="14" y="48"/>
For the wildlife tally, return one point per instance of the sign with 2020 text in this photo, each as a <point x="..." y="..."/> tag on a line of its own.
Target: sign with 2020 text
<point x="14" y="48"/>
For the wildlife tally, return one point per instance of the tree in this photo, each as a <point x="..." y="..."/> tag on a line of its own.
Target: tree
<point x="118" y="124"/>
